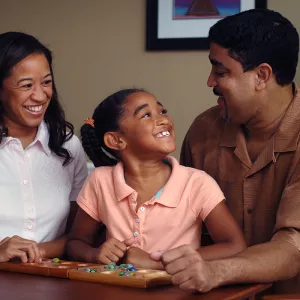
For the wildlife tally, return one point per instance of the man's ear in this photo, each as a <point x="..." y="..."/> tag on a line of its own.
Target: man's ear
<point x="114" y="141"/>
<point x="264" y="73"/>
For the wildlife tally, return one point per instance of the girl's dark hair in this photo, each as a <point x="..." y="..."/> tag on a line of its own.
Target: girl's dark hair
<point x="14" y="47"/>
<point x="106" y="118"/>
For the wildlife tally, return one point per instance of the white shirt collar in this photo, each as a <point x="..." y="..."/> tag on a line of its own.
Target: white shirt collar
<point x="42" y="137"/>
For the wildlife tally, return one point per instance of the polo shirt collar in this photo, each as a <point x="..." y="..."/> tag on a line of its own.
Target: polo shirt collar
<point x="42" y="137"/>
<point x="171" y="193"/>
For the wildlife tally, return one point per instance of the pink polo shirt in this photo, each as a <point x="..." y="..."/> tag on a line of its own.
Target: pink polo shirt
<point x="166" y="221"/>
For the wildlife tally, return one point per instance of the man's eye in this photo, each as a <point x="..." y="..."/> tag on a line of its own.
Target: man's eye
<point x="164" y="111"/>
<point x="220" y="74"/>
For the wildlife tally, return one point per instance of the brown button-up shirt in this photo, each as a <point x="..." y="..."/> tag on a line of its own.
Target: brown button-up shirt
<point x="263" y="196"/>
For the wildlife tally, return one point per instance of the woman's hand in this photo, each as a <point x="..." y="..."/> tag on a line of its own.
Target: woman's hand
<point x="16" y="246"/>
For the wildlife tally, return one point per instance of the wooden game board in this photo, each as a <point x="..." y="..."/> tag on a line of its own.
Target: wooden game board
<point x="45" y="268"/>
<point x="76" y="270"/>
<point x="142" y="279"/>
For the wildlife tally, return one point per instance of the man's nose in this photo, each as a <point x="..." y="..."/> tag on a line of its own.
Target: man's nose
<point x="211" y="82"/>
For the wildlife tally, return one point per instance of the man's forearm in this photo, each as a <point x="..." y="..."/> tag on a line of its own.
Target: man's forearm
<point x="267" y="262"/>
<point x="220" y="250"/>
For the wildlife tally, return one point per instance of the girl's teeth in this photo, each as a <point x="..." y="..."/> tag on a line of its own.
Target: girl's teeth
<point x="165" y="133"/>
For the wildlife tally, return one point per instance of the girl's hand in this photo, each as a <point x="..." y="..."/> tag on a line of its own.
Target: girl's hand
<point x="16" y="246"/>
<point x="112" y="250"/>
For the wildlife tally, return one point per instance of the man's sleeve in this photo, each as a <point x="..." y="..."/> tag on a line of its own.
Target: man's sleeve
<point x="287" y="227"/>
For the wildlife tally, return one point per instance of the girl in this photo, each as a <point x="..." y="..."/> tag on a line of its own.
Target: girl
<point x="146" y="200"/>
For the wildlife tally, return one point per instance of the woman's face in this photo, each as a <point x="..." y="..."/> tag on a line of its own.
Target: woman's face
<point x="26" y="93"/>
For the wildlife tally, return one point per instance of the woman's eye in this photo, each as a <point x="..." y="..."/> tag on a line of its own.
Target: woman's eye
<point x="164" y="111"/>
<point x="47" y="82"/>
<point x="27" y="86"/>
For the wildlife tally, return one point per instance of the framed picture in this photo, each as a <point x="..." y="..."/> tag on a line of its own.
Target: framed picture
<point x="184" y="24"/>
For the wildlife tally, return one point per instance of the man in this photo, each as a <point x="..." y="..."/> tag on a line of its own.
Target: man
<point x="250" y="145"/>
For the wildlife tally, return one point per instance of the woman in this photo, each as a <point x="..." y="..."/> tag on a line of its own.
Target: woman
<point x="42" y="164"/>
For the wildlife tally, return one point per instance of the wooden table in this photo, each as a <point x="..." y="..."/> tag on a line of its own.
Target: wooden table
<point x="282" y="297"/>
<point x="30" y="287"/>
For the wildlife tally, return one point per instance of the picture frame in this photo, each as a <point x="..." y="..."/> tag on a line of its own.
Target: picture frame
<point x="165" y="33"/>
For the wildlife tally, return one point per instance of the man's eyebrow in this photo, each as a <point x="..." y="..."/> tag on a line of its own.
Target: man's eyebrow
<point x="216" y="62"/>
<point x="138" y="109"/>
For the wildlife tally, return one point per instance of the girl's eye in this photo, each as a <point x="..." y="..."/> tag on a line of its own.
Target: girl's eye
<point x="164" y="111"/>
<point x="147" y="115"/>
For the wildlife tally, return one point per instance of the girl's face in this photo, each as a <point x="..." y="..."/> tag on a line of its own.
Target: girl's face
<point x="26" y="93"/>
<point x="146" y="127"/>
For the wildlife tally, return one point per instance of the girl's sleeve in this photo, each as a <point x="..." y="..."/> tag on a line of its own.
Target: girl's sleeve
<point x="88" y="198"/>
<point x="205" y="195"/>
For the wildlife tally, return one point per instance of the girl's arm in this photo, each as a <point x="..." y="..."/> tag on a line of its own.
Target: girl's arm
<point x="225" y="232"/>
<point x="80" y="245"/>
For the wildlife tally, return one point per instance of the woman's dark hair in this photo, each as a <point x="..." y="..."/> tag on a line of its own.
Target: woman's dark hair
<point x="106" y="117"/>
<point x="260" y="36"/>
<point x="14" y="47"/>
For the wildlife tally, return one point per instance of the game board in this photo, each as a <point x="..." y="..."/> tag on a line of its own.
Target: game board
<point x="142" y="278"/>
<point x="46" y="268"/>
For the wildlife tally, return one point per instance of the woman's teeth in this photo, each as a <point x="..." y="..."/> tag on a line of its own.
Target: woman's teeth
<point x="34" y="108"/>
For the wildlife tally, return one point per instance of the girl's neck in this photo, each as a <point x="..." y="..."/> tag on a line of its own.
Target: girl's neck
<point x="143" y="172"/>
<point x="147" y="178"/>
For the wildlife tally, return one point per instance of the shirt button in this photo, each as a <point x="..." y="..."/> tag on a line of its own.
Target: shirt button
<point x="137" y="220"/>
<point x="249" y="211"/>
<point x="142" y="208"/>
<point x="26" y="155"/>
<point x="25" y="181"/>
<point x="135" y="233"/>
<point x="30" y="226"/>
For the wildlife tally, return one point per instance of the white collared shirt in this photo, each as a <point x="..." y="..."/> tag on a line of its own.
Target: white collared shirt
<point x="36" y="189"/>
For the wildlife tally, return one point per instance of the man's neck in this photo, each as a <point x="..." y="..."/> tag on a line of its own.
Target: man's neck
<point x="270" y="114"/>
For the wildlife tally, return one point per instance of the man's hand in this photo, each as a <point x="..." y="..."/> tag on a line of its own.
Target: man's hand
<point x="111" y="251"/>
<point x="187" y="268"/>
<point x="16" y="246"/>
<point x="141" y="259"/>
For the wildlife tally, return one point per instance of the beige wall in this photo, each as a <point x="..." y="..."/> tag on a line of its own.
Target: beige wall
<point x="99" y="46"/>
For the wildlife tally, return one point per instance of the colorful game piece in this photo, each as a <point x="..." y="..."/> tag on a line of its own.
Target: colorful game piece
<point x="88" y="269"/>
<point x="132" y="269"/>
<point x="56" y="260"/>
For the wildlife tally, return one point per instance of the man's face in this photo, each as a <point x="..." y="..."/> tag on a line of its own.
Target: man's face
<point x="235" y="88"/>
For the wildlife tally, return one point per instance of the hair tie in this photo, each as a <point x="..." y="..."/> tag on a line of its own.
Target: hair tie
<point x="90" y="121"/>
